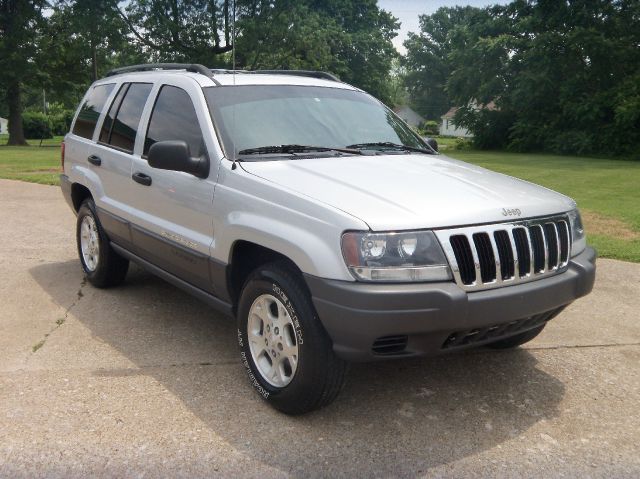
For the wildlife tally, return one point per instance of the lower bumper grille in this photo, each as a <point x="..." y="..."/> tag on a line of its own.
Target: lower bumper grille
<point x="389" y="345"/>
<point x="481" y="335"/>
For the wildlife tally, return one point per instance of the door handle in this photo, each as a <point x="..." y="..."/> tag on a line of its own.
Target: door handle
<point x="94" y="160"/>
<point x="141" y="178"/>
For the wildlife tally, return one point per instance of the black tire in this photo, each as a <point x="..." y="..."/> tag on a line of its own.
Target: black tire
<point x="111" y="268"/>
<point x="320" y="374"/>
<point x="518" y="339"/>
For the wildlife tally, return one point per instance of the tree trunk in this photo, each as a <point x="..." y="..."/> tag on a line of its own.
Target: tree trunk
<point x="16" y="133"/>
<point x="226" y="22"/>
<point x="94" y="61"/>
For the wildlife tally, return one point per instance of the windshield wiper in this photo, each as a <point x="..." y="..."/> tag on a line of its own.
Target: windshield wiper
<point x="391" y="146"/>
<point x="264" y="150"/>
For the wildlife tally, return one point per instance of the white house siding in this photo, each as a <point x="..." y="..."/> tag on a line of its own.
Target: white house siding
<point x="447" y="128"/>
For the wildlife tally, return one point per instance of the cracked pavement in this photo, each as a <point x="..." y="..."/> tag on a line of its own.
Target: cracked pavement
<point x="143" y="380"/>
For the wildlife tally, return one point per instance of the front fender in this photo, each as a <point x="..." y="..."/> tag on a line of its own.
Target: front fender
<point x="311" y="253"/>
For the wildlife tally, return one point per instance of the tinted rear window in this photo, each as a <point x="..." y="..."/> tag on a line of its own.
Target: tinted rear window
<point x="127" y="109"/>
<point x="91" y="109"/>
<point x="174" y="118"/>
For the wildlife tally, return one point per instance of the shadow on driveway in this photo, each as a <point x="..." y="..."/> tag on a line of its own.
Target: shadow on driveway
<point x="399" y="418"/>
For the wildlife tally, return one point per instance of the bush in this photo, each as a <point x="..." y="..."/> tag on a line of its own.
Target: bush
<point x="430" y="128"/>
<point x="463" y="144"/>
<point x="61" y="122"/>
<point x="36" y="125"/>
<point x="60" y="119"/>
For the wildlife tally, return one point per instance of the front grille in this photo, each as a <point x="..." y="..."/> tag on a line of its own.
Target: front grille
<point x="487" y="334"/>
<point x="490" y="256"/>
<point x="389" y="345"/>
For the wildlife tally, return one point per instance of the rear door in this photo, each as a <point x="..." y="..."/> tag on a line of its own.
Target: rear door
<point x="112" y="156"/>
<point x="173" y="226"/>
<point x="79" y="141"/>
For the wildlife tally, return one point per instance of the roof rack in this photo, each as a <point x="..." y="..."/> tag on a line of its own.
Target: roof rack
<point x="300" y="73"/>
<point x="197" y="68"/>
<point x="190" y="67"/>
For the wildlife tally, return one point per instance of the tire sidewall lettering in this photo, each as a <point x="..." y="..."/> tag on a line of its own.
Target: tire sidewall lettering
<point x="292" y="312"/>
<point x="252" y="378"/>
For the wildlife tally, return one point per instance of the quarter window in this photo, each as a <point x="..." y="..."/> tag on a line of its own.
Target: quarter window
<point x="127" y="110"/>
<point x="111" y="114"/>
<point x="91" y="109"/>
<point x="174" y="118"/>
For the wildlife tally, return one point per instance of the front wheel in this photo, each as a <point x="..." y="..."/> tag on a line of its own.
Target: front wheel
<point x="287" y="353"/>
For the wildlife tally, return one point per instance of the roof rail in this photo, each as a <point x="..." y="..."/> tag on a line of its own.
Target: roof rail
<point x="301" y="73"/>
<point x="190" y="67"/>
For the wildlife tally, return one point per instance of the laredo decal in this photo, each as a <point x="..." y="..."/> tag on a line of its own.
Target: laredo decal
<point x="178" y="239"/>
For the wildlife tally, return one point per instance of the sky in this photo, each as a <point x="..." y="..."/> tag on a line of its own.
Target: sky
<point x="407" y="12"/>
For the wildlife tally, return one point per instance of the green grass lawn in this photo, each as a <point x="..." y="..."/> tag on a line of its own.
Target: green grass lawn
<point x="37" y="164"/>
<point x="607" y="191"/>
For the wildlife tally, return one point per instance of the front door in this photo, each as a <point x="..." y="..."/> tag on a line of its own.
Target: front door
<point x="173" y="228"/>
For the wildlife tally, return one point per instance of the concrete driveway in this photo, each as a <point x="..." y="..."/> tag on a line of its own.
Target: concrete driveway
<point x="144" y="380"/>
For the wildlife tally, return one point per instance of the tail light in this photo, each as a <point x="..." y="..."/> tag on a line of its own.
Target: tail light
<point x="62" y="156"/>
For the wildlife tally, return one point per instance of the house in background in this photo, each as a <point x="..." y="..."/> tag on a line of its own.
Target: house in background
<point x="447" y="128"/>
<point x="4" y="126"/>
<point x="409" y="116"/>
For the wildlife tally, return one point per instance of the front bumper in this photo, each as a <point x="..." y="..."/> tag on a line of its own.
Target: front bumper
<point x="429" y="315"/>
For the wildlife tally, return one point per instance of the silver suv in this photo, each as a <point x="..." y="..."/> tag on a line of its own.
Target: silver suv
<point x="309" y="211"/>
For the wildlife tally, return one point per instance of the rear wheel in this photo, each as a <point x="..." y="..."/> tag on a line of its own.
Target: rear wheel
<point x="101" y="264"/>
<point x="518" y="339"/>
<point x="287" y="353"/>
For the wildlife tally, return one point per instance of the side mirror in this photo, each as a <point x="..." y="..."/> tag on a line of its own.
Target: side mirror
<point x="175" y="155"/>
<point x="432" y="143"/>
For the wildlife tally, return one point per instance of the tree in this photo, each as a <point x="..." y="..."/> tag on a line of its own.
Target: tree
<point x="563" y="76"/>
<point x="351" y="38"/>
<point x="92" y="29"/>
<point x="193" y="31"/>
<point x="83" y="40"/>
<point x="428" y="60"/>
<point x="20" y="25"/>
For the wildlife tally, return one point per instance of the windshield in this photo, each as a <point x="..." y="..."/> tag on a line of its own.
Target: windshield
<point x="257" y="116"/>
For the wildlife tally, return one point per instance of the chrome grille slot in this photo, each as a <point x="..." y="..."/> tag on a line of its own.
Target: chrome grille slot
<point x="493" y="255"/>
<point x="523" y="252"/>
<point x="463" y="256"/>
<point x="537" y="246"/>
<point x="505" y="254"/>
<point x="551" y="236"/>
<point x="485" y="256"/>
<point x="563" y="239"/>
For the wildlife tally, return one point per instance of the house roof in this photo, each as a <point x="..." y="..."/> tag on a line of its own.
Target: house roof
<point x="408" y="114"/>
<point x="491" y="106"/>
<point x="450" y="114"/>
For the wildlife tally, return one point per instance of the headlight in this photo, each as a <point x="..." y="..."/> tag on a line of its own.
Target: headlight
<point x="578" y="237"/>
<point x="395" y="257"/>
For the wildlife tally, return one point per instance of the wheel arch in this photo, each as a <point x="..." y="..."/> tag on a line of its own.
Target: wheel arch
<point x="79" y="193"/>
<point x="245" y="257"/>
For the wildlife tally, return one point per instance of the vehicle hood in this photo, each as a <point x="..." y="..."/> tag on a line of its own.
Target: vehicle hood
<point x="390" y="192"/>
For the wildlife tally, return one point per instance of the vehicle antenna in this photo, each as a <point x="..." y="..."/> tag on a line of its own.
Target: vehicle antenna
<point x="233" y="75"/>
